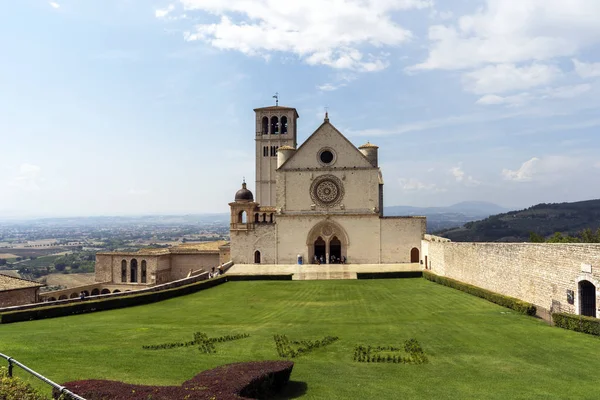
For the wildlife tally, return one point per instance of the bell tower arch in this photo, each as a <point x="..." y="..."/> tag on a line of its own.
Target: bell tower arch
<point x="275" y="127"/>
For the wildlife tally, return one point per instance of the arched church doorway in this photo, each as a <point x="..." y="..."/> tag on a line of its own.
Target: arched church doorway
<point x="257" y="257"/>
<point x="587" y="299"/>
<point x="335" y="247"/>
<point x="414" y="255"/>
<point x="320" y="249"/>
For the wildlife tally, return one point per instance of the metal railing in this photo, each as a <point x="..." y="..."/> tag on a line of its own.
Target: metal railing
<point x="61" y="389"/>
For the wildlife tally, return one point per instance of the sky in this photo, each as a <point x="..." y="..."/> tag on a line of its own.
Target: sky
<point x="117" y="107"/>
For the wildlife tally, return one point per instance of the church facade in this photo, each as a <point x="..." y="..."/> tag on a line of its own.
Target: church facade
<point x="321" y="201"/>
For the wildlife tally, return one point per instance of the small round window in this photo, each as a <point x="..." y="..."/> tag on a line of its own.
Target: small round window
<point x="326" y="157"/>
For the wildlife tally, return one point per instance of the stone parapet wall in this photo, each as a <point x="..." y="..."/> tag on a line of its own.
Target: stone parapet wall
<point x="540" y="273"/>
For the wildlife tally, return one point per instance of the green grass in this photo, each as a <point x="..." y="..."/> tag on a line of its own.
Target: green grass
<point x="476" y="350"/>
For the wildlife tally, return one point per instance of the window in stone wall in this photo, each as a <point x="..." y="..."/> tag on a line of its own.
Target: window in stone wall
<point x="123" y="271"/>
<point x="143" y="278"/>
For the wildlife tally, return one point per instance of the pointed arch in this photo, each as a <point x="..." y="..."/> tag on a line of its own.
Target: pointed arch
<point x="257" y="257"/>
<point x="336" y="230"/>
<point x="329" y="232"/>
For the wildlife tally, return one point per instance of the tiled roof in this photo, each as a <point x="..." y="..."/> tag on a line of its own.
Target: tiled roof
<point x="199" y="246"/>
<point x="368" y="146"/>
<point x="194" y="247"/>
<point x="277" y="108"/>
<point x="10" y="283"/>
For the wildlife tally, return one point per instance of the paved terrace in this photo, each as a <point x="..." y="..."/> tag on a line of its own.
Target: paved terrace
<point x="322" y="271"/>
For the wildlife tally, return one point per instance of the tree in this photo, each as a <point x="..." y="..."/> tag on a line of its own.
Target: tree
<point x="536" y="238"/>
<point x="589" y="236"/>
<point x="60" y="266"/>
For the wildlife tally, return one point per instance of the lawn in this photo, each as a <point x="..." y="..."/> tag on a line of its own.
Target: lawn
<point x="476" y="349"/>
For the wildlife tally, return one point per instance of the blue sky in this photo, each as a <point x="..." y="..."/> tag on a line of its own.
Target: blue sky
<point x="131" y="107"/>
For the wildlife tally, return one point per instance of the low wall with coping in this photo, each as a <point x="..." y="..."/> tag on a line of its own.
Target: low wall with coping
<point x="545" y="274"/>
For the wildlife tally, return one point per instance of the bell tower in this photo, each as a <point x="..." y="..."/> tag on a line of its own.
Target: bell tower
<point x="275" y="127"/>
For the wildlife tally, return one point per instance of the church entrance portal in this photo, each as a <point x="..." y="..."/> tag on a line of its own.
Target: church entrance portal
<point x="335" y="247"/>
<point x="587" y="299"/>
<point x="326" y="240"/>
<point x="320" y="249"/>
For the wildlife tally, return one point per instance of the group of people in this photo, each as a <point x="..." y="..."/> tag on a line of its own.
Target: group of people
<point x="215" y="272"/>
<point x="332" y="259"/>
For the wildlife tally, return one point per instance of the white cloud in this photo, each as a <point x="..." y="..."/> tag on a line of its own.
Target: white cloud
<point x="329" y="87"/>
<point x="335" y="33"/>
<point x="513" y="32"/>
<point x="560" y="92"/>
<point x="567" y="92"/>
<point x="508" y="77"/>
<point x="341" y="80"/>
<point x="586" y="70"/>
<point x="54" y="4"/>
<point x="460" y="176"/>
<point x="524" y="173"/>
<point x="458" y="173"/>
<point x="548" y="169"/>
<point x="514" y="100"/>
<point x="161" y="13"/>
<point x="411" y="184"/>
<point x="28" y="178"/>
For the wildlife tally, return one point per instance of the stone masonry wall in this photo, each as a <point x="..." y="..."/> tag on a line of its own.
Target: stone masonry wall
<point x="399" y="236"/>
<point x="17" y="297"/>
<point x="540" y="273"/>
<point x="182" y="264"/>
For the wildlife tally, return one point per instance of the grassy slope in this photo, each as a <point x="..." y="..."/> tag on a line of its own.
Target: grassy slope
<point x="476" y="349"/>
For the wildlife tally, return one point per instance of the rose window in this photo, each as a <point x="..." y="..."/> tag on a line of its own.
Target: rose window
<point x="327" y="190"/>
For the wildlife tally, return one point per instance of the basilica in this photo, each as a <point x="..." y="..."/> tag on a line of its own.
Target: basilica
<point x="319" y="202"/>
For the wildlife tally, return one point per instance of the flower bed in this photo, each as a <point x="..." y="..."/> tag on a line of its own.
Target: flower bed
<point x="248" y="380"/>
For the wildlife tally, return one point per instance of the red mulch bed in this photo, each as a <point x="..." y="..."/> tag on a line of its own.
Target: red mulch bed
<point x="248" y="380"/>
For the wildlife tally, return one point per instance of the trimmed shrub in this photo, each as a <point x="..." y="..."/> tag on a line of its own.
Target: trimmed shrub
<point x="577" y="323"/>
<point x="15" y="389"/>
<point x="87" y="306"/>
<point x="206" y="344"/>
<point x="234" y="278"/>
<point x="414" y="354"/>
<point x="506" y="301"/>
<point x="287" y="348"/>
<point x="389" y="275"/>
<point x="248" y="380"/>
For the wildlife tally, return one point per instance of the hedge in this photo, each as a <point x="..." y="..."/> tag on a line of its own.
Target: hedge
<point x="246" y="380"/>
<point x="500" y="299"/>
<point x="12" y="388"/>
<point x="87" y="306"/>
<point x="389" y="275"/>
<point x="234" y="278"/>
<point x="577" y="323"/>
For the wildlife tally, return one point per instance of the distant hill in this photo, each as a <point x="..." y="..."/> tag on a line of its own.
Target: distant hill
<point x="543" y="219"/>
<point x="456" y="215"/>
